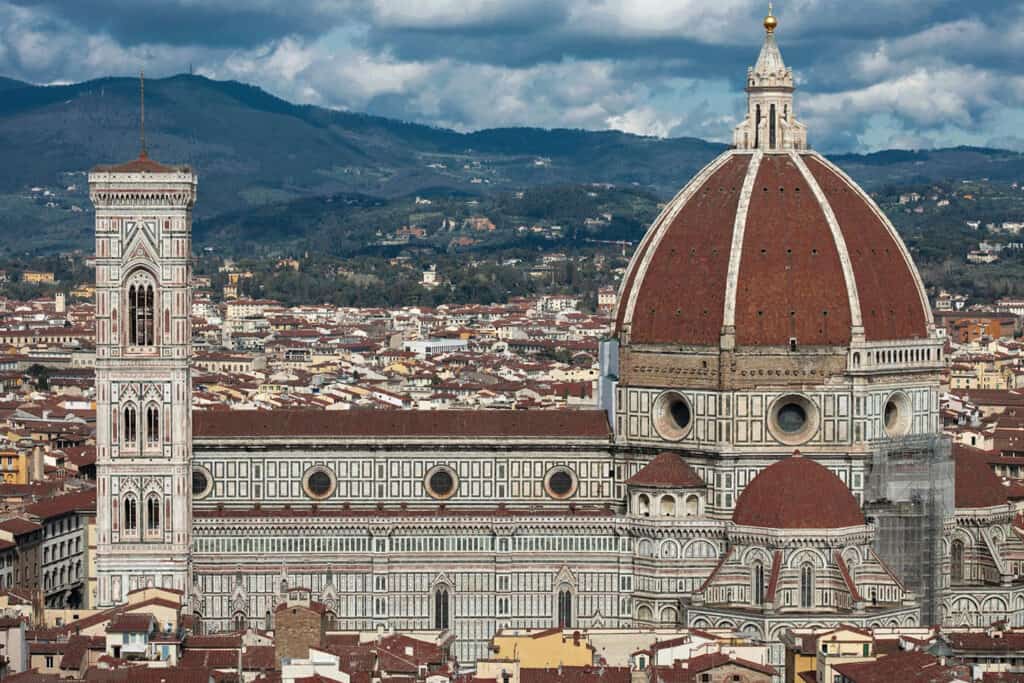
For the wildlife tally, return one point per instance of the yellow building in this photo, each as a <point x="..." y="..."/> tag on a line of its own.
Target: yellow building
<point x="14" y="466"/>
<point x="38" y="277"/>
<point x="844" y="645"/>
<point x="547" y="649"/>
<point x="163" y="603"/>
<point x="817" y="651"/>
<point x="84" y="292"/>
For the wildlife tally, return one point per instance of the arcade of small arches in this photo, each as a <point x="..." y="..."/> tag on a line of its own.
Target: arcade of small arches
<point x="648" y="504"/>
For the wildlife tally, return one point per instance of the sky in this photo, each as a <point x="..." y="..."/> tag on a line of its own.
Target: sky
<point x="873" y="74"/>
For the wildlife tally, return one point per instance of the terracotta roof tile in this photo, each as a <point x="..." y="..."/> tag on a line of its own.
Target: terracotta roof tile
<point x="976" y="486"/>
<point x="797" y="493"/>
<point x="402" y="423"/>
<point x="667" y="470"/>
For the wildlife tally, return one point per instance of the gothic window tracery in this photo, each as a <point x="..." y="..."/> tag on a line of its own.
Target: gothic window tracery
<point x="129" y="427"/>
<point x="141" y="317"/>
<point x="152" y="425"/>
<point x="565" y="608"/>
<point x="758" y="579"/>
<point x="131" y="514"/>
<point x="441" y="608"/>
<point x="806" y="585"/>
<point x="152" y="514"/>
<point x="956" y="568"/>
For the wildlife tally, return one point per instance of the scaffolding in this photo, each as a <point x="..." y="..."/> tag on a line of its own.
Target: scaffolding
<point x="909" y="498"/>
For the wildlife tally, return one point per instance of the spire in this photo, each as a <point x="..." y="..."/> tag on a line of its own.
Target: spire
<point x="142" y="115"/>
<point x="770" y="124"/>
<point x="770" y="67"/>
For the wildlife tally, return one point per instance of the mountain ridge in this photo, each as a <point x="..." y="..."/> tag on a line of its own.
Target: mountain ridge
<point x="252" y="149"/>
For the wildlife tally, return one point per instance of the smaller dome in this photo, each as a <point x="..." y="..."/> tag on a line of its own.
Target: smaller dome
<point x="797" y="493"/>
<point x="667" y="470"/>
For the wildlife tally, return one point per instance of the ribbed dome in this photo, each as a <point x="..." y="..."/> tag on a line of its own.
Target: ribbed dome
<point x="772" y="247"/>
<point x="797" y="493"/>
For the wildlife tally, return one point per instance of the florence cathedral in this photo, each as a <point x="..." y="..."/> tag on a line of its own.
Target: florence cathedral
<point x="767" y="453"/>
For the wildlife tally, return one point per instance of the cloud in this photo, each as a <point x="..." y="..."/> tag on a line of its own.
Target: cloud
<point x="880" y="73"/>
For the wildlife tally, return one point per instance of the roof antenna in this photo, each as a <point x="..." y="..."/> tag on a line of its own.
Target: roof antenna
<point x="142" y="114"/>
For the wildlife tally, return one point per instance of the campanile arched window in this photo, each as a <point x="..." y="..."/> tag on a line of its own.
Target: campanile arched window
<point x="131" y="514"/>
<point x="152" y="425"/>
<point x="141" y="310"/>
<point x="129" y="426"/>
<point x="152" y="514"/>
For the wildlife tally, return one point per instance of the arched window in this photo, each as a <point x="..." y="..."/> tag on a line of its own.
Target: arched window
<point x="668" y="506"/>
<point x="565" y="608"/>
<point x="956" y="561"/>
<point x="129" y="428"/>
<point x="131" y="514"/>
<point x="806" y="585"/>
<point x="758" y="579"/>
<point x="268" y="621"/>
<point x="152" y="425"/>
<point x="140" y="312"/>
<point x="643" y="505"/>
<point x="239" y="621"/>
<point x="441" y="620"/>
<point x="152" y="513"/>
<point x="692" y="506"/>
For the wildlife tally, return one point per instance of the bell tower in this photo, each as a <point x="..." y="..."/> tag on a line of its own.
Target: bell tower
<point x="771" y="123"/>
<point x="143" y="380"/>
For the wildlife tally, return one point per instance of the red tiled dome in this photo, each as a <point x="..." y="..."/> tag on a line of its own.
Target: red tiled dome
<point x="667" y="470"/>
<point x="797" y="493"/>
<point x="774" y="246"/>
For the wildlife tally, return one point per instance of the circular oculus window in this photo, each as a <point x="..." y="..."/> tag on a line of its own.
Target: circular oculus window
<point x="318" y="482"/>
<point x="793" y="419"/>
<point x="441" y="482"/>
<point x="672" y="416"/>
<point x="560" y="483"/>
<point x="202" y="483"/>
<point x="897" y="414"/>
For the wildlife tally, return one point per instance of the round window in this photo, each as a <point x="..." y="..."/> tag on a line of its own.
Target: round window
<point x="672" y="416"/>
<point x="897" y="414"/>
<point x="793" y="419"/>
<point x="560" y="483"/>
<point x="201" y="482"/>
<point x="318" y="482"/>
<point x="441" y="482"/>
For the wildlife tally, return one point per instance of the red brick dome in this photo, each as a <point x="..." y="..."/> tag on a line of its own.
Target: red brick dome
<point x="797" y="493"/>
<point x="772" y="247"/>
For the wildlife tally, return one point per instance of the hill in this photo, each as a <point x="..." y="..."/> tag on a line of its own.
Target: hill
<point x="258" y="153"/>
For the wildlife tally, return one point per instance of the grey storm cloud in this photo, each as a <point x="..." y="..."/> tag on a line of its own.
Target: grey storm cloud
<point x="873" y="73"/>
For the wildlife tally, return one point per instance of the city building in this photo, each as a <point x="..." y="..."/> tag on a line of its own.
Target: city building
<point x="768" y="453"/>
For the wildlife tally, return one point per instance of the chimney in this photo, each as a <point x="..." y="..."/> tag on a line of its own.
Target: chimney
<point x="37" y="469"/>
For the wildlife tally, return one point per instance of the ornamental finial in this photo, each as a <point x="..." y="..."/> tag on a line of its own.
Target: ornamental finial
<point x="770" y="22"/>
